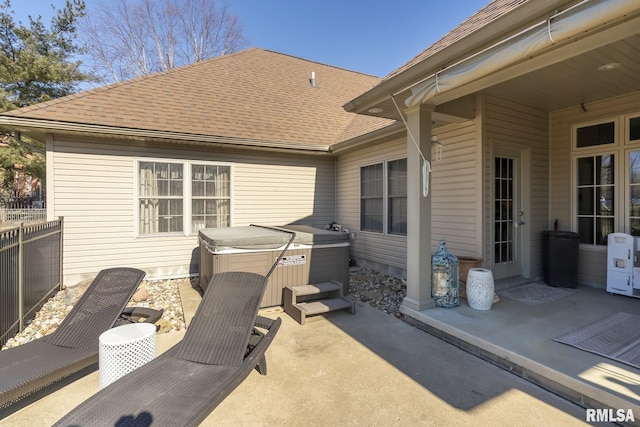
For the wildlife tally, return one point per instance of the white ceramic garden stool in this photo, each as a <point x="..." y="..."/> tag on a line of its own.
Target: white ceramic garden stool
<point x="480" y="288"/>
<point x="123" y="349"/>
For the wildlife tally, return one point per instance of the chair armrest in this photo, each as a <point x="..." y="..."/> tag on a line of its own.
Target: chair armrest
<point x="136" y="314"/>
<point x="264" y="322"/>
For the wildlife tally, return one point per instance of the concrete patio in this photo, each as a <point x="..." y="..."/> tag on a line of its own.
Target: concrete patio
<point x="520" y="338"/>
<point x="373" y="369"/>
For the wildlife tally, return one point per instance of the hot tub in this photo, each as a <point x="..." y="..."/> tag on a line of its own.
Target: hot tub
<point x="314" y="256"/>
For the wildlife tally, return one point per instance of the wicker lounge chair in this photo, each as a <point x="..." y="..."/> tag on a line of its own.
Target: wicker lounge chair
<point x="182" y="386"/>
<point x="74" y="345"/>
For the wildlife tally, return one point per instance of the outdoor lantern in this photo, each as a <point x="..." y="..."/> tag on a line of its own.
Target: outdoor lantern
<point x="445" y="269"/>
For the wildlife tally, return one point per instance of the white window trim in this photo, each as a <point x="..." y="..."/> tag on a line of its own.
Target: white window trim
<point x="621" y="149"/>
<point x="186" y="194"/>
<point x="385" y="196"/>
<point x="596" y="148"/>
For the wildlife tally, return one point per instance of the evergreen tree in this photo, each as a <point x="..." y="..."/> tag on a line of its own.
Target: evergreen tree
<point x="36" y="65"/>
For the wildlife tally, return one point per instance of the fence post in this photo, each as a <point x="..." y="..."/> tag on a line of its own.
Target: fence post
<point x="61" y="286"/>
<point x="21" y="276"/>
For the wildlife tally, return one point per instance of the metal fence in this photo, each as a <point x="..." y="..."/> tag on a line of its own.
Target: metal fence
<point x="30" y="272"/>
<point x="10" y="218"/>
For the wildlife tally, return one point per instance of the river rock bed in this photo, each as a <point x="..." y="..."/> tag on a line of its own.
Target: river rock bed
<point x="378" y="290"/>
<point x="156" y="294"/>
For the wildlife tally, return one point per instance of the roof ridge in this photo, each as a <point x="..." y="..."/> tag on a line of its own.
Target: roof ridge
<point x="318" y="62"/>
<point x="119" y="84"/>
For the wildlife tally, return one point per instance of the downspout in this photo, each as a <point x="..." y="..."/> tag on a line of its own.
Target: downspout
<point x="335" y="189"/>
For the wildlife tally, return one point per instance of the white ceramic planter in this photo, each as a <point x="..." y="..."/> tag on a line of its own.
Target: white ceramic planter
<point x="480" y="288"/>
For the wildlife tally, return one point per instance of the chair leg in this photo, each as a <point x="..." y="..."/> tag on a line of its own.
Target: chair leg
<point x="262" y="365"/>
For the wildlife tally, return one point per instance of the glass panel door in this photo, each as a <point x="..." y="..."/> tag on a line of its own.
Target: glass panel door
<point x="504" y="215"/>
<point x="508" y="221"/>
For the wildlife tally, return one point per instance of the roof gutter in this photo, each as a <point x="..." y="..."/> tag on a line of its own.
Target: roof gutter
<point x="49" y="126"/>
<point x="560" y="28"/>
<point x="393" y="131"/>
<point x="406" y="79"/>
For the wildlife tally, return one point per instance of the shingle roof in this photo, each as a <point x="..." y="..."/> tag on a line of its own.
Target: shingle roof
<point x="478" y="20"/>
<point x="254" y="94"/>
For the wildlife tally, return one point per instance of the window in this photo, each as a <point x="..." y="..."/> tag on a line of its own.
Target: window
<point x="371" y="196"/>
<point x="210" y="197"/>
<point x="600" y="134"/>
<point x="160" y="197"/>
<point x="607" y="178"/>
<point x="634" y="193"/>
<point x="383" y="197"/>
<point x="174" y="197"/>
<point x="596" y="198"/>
<point x="634" y="129"/>
<point x="397" y="197"/>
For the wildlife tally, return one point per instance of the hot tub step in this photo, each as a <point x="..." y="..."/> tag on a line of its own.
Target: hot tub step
<point x="317" y="288"/>
<point x="307" y="300"/>
<point x="326" y="305"/>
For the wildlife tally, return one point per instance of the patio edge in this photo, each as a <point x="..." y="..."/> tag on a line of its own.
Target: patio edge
<point x="556" y="382"/>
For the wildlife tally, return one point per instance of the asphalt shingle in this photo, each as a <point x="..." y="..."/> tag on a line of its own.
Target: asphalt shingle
<point x="255" y="94"/>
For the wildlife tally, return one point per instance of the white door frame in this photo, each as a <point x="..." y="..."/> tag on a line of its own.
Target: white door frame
<point x="520" y="265"/>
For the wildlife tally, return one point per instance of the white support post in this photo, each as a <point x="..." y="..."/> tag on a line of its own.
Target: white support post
<point x="418" y="211"/>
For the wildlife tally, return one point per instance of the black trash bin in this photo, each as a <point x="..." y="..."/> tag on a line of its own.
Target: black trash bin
<point x="560" y="258"/>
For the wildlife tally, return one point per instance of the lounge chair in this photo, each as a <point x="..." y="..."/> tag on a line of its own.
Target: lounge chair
<point x="74" y="345"/>
<point x="221" y="346"/>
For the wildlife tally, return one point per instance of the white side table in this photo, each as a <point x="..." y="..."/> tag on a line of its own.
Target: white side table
<point x="125" y="348"/>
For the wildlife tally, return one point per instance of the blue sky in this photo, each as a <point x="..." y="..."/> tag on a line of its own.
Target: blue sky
<point x="373" y="36"/>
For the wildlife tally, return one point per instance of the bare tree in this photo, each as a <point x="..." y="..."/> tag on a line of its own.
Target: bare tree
<point x="131" y="38"/>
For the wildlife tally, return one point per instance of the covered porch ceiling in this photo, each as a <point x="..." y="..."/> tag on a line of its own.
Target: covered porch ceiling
<point x="598" y="65"/>
<point x="606" y="72"/>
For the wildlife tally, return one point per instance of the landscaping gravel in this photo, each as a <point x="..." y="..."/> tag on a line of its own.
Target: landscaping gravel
<point x="378" y="290"/>
<point x="156" y="294"/>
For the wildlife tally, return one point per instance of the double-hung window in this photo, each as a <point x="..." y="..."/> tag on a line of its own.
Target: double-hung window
<point x="371" y="198"/>
<point x="607" y="178"/>
<point x="383" y="197"/>
<point x="397" y="196"/>
<point x="182" y="197"/>
<point x="160" y="197"/>
<point x="210" y="196"/>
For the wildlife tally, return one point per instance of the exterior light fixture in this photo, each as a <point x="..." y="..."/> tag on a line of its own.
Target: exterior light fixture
<point x="375" y="110"/>
<point x="609" y="66"/>
<point x="438" y="144"/>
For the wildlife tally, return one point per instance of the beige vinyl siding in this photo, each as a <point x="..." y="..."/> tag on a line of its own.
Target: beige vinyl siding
<point x="457" y="190"/>
<point x="454" y="188"/>
<point x="389" y="250"/>
<point x="592" y="262"/>
<point x="524" y="127"/>
<point x="288" y="189"/>
<point x="94" y="184"/>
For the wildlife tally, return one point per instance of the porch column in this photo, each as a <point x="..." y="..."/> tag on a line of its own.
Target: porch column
<point x="418" y="211"/>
